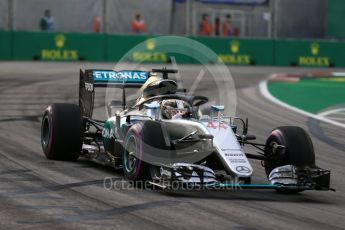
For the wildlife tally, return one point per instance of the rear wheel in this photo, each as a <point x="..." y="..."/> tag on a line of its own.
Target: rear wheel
<point x="62" y="132"/>
<point x="299" y="148"/>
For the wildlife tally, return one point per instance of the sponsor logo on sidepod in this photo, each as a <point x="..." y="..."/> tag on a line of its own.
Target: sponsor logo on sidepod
<point x="107" y="133"/>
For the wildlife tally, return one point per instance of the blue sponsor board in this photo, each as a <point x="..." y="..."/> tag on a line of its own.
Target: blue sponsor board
<point x="120" y="77"/>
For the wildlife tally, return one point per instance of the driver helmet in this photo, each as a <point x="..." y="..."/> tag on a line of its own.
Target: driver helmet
<point x="174" y="109"/>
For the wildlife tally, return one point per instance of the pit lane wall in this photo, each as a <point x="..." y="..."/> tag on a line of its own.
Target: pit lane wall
<point x="18" y="45"/>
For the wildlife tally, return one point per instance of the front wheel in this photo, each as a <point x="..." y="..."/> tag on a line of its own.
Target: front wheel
<point x="134" y="168"/>
<point x="299" y="149"/>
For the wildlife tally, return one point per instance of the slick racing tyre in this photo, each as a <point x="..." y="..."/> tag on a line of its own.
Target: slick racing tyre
<point x="62" y="132"/>
<point x="299" y="148"/>
<point x="142" y="139"/>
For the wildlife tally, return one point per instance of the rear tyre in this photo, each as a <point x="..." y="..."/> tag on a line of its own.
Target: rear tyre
<point x="62" y="132"/>
<point x="299" y="149"/>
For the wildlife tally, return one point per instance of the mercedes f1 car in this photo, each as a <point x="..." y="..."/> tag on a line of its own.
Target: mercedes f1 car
<point x="163" y="137"/>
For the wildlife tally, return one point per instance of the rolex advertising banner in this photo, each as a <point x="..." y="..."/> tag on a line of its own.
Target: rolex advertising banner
<point x="233" y="51"/>
<point x="141" y="48"/>
<point x="135" y="49"/>
<point x="58" y="46"/>
<point x="309" y="53"/>
<point x="150" y="49"/>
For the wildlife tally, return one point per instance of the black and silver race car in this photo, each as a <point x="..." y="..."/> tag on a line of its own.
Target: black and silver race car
<point x="162" y="137"/>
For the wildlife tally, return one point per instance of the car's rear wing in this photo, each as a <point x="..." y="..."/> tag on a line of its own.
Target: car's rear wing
<point x="91" y="78"/>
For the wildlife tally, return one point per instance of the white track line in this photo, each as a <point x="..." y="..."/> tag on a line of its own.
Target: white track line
<point x="323" y="114"/>
<point x="264" y="91"/>
<point x="337" y="118"/>
<point x="338" y="74"/>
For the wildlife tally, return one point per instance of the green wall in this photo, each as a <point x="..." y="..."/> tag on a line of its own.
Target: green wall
<point x="118" y="45"/>
<point x="232" y="51"/>
<point x="5" y="45"/>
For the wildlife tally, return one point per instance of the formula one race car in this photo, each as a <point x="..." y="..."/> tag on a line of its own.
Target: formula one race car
<point x="163" y="137"/>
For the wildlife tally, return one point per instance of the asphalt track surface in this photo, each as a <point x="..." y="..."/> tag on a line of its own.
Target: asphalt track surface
<point x="36" y="193"/>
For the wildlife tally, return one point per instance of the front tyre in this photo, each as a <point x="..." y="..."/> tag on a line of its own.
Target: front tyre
<point x="134" y="168"/>
<point x="299" y="149"/>
<point x="62" y="132"/>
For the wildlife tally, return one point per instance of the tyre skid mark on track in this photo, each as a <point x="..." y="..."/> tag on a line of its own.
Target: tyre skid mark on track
<point x="111" y="209"/>
<point x="260" y="204"/>
<point x="53" y="188"/>
<point x="316" y="130"/>
<point x="29" y="118"/>
<point x="15" y="171"/>
<point x="109" y="213"/>
<point x="280" y="213"/>
<point x="18" y="179"/>
<point x="32" y="177"/>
